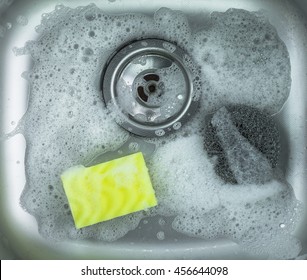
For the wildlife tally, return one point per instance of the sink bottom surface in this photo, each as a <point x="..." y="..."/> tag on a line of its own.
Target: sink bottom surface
<point x="153" y="237"/>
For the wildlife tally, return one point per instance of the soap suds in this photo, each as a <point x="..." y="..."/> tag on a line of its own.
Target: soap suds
<point x="243" y="62"/>
<point x="67" y="124"/>
<point x="185" y="162"/>
<point x="251" y="216"/>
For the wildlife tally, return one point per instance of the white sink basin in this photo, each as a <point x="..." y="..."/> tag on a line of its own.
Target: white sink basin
<point x="154" y="237"/>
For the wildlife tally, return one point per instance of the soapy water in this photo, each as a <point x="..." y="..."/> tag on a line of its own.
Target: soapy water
<point x="4" y="26"/>
<point x="243" y="61"/>
<point x="238" y="55"/>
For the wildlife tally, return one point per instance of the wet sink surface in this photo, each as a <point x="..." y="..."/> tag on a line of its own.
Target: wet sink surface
<point x="19" y="231"/>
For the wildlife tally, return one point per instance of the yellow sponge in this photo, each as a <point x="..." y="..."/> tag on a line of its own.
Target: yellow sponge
<point x="108" y="190"/>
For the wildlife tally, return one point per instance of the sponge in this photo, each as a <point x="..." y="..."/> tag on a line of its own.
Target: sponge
<point x="253" y="124"/>
<point x="108" y="190"/>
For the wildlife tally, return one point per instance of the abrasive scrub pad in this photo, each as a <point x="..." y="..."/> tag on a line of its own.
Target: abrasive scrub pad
<point x="108" y="190"/>
<point x="254" y="125"/>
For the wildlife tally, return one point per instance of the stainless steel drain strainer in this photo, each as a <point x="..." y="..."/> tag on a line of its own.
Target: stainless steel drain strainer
<point x="154" y="85"/>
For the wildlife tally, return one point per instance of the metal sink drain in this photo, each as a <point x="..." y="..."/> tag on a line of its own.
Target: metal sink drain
<point x="154" y="85"/>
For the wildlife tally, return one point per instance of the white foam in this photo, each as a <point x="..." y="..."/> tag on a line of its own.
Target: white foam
<point x="253" y="221"/>
<point x="173" y="26"/>
<point x="184" y="178"/>
<point x="243" y="61"/>
<point x="67" y="124"/>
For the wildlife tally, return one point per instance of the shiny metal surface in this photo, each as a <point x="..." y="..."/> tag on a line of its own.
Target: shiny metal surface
<point x="135" y="83"/>
<point x="19" y="235"/>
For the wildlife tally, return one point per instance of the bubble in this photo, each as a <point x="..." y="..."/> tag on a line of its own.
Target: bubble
<point x="177" y="125"/>
<point x="160" y="132"/>
<point x="161" y="235"/>
<point x="162" y="222"/>
<point x="170" y="47"/>
<point x="144" y="43"/>
<point x="91" y="33"/>
<point x="89" y="16"/>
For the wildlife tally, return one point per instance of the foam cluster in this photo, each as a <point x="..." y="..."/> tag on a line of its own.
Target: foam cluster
<point x="185" y="162"/>
<point x="260" y="218"/>
<point x="243" y="62"/>
<point x="68" y="124"/>
<point x="173" y="26"/>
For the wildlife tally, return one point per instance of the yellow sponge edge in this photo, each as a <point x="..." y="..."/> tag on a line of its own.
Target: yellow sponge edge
<point x="108" y="190"/>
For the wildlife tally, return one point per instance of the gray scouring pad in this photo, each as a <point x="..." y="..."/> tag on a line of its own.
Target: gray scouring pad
<point x="256" y="126"/>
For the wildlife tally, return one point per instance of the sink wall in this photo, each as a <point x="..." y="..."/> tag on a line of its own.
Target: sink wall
<point x="19" y="236"/>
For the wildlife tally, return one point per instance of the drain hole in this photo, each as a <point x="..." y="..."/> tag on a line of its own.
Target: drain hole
<point x="141" y="94"/>
<point x="151" y="77"/>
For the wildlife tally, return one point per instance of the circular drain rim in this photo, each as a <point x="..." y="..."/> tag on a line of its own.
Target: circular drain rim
<point x="119" y="62"/>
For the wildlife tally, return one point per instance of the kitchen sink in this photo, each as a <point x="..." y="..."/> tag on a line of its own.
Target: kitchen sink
<point x="152" y="235"/>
